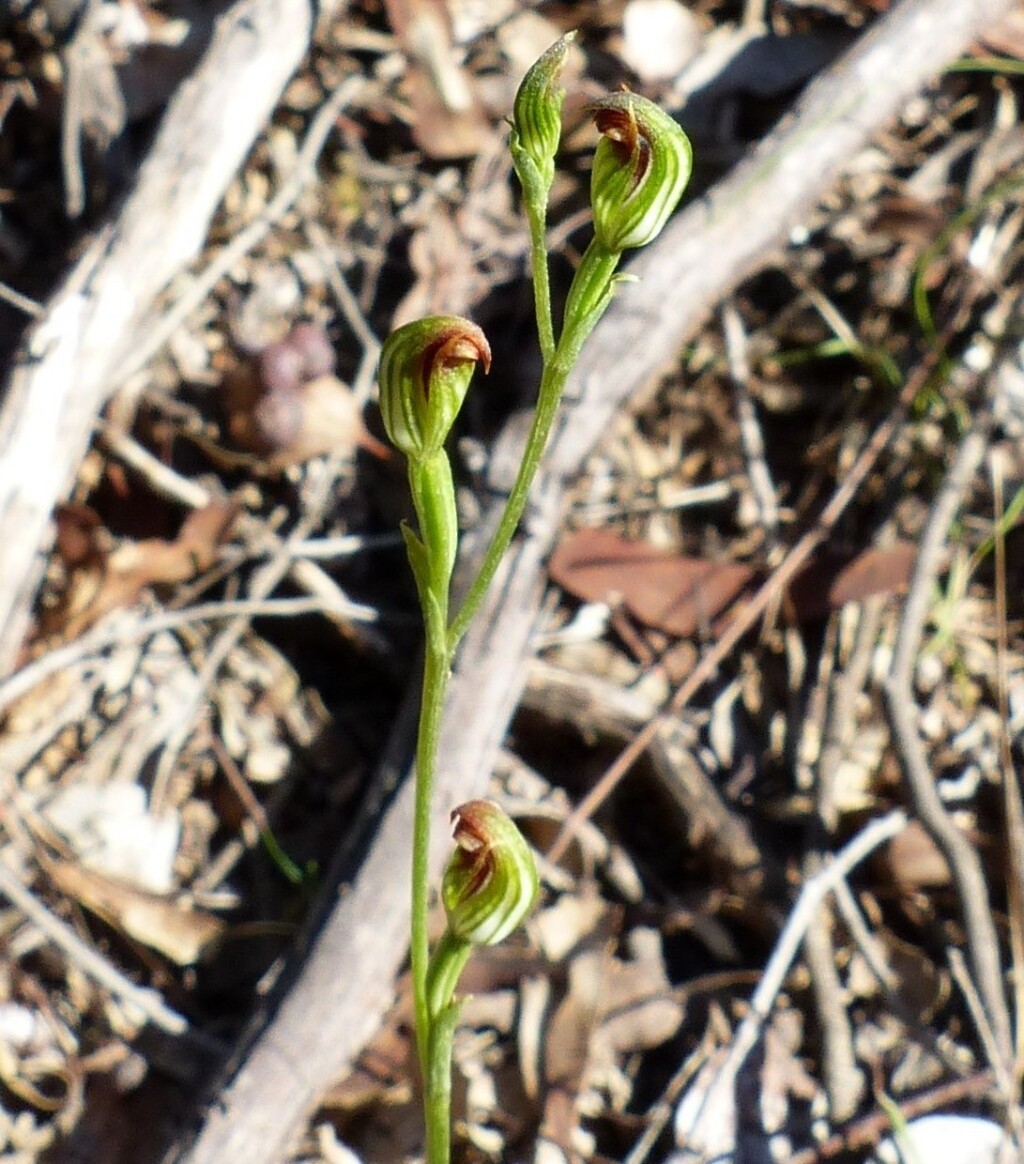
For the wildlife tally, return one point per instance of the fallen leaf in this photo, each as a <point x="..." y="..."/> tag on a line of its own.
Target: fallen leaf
<point x="117" y="580"/>
<point x="182" y="935"/>
<point x="913" y="860"/>
<point x="447" y="119"/>
<point x="832" y="579"/>
<point x="670" y="592"/>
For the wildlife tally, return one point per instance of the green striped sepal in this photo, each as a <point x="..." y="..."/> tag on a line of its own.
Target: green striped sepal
<point x="641" y="167"/>
<point x="490" y="883"/>
<point x="424" y="374"/>
<point x="537" y="117"/>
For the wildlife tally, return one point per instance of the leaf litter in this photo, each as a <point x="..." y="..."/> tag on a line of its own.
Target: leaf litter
<point x="595" y="1035"/>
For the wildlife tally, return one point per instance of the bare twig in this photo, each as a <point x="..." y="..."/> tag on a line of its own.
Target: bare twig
<point x="22" y="302"/>
<point x="844" y="1081"/>
<point x="750" y="429"/>
<point x="116" y="631"/>
<point x="89" y="961"/>
<point x="841" y="714"/>
<point x="794" y="932"/>
<point x="965" y="866"/>
<point x="868" y="1131"/>
<point x="1014" y="808"/>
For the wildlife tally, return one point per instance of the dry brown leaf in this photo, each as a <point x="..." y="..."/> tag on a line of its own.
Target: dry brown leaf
<point x="640" y="1011"/>
<point x="447" y="118"/>
<point x="875" y="571"/>
<point x="914" y="861"/>
<point x="671" y="592"/>
<point x="831" y="579"/>
<point x="101" y="581"/>
<point x="182" y="935"/>
<point x="133" y="566"/>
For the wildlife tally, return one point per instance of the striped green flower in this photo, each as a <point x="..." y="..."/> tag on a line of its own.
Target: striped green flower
<point x="424" y="374"/>
<point x="491" y="880"/>
<point x="641" y="167"/>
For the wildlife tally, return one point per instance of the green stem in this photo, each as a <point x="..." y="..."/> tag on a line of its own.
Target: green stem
<point x="438" y="1083"/>
<point x="435" y="684"/>
<point x="589" y="296"/>
<point x="446" y="965"/>
<point x="448" y="961"/>
<point x="536" y="217"/>
<point x="434" y="499"/>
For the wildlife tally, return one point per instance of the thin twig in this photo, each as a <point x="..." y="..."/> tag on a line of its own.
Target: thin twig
<point x="869" y="1130"/>
<point x="844" y="1081"/>
<point x="88" y="960"/>
<point x="115" y="632"/>
<point x="22" y="302"/>
<point x="1013" y="806"/>
<point x="964" y="864"/>
<point x="976" y="1008"/>
<point x="841" y="714"/>
<point x="811" y="896"/>
<point x="350" y="308"/>
<point x="750" y="429"/>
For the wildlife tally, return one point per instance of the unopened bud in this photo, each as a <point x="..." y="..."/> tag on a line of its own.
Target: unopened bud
<point x="537" y="114"/>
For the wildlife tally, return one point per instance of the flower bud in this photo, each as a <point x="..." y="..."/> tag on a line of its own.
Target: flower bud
<point x="641" y="167"/>
<point x="490" y="882"/>
<point x="424" y="373"/>
<point x="537" y="114"/>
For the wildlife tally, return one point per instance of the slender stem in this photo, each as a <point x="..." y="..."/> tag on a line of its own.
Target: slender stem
<point x="536" y="217"/>
<point x="552" y="385"/>
<point x="434" y="500"/>
<point x="435" y="685"/>
<point x="589" y="296"/>
<point x="446" y="965"/>
<point x="438" y="1083"/>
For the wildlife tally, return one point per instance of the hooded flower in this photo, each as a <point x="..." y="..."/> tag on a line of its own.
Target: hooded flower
<point x="424" y="373"/>
<point x="491" y="881"/>
<point x="641" y="167"/>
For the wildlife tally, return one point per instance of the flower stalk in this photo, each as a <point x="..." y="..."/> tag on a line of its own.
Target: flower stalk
<point x="641" y="167"/>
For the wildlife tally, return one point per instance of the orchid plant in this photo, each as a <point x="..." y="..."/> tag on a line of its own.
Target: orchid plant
<point x="641" y="167"/>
